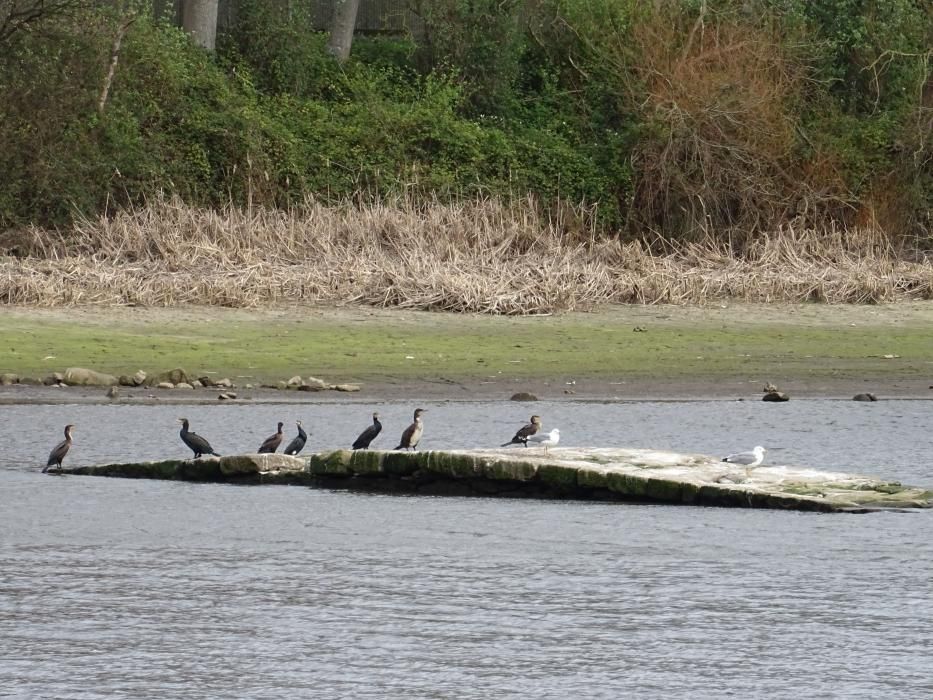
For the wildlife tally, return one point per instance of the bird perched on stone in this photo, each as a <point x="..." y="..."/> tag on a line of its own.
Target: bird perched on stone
<point x="298" y="443"/>
<point x="412" y="435"/>
<point x="271" y="443"/>
<point x="368" y="435"/>
<point x="198" y="444"/>
<point x="525" y="432"/>
<point x="747" y="459"/>
<point x="59" y="451"/>
<point x="545" y="439"/>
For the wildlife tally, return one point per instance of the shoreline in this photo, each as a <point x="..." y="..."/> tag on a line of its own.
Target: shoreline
<point x="617" y="353"/>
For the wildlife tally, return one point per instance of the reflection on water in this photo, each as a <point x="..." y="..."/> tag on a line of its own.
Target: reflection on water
<point x="119" y="588"/>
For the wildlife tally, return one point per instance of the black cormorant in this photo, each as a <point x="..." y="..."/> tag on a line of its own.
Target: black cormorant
<point x="271" y="443"/>
<point x="368" y="435"/>
<point x="198" y="444"/>
<point x="59" y="451"/>
<point x="525" y="432"/>
<point x="412" y="435"/>
<point x="298" y="444"/>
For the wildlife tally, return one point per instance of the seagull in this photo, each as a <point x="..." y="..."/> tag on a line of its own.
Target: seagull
<point x="525" y="432"/>
<point x="747" y="459"/>
<point x="547" y="439"/>
<point x="412" y="435"/>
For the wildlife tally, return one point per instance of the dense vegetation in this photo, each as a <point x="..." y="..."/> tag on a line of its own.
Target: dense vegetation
<point x="674" y="119"/>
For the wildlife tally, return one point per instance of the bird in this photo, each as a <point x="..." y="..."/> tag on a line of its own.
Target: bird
<point x="60" y="450"/>
<point x="412" y="435"/>
<point x="368" y="435"/>
<point x="747" y="459"/>
<point x="525" y="432"/>
<point x="546" y="439"/>
<point x="198" y="444"/>
<point x="271" y="443"/>
<point x="298" y="444"/>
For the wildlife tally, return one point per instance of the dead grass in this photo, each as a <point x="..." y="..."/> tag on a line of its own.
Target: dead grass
<point x="481" y="256"/>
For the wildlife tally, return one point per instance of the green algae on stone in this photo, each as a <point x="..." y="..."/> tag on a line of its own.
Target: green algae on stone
<point x="508" y="470"/>
<point x="335" y="463"/>
<point x="455" y="465"/>
<point x="365" y="462"/>
<point x="558" y="476"/>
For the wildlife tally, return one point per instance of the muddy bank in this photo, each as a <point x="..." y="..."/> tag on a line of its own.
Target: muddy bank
<point x="619" y="352"/>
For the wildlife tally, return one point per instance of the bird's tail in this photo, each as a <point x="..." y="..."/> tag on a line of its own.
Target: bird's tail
<point x="46" y="469"/>
<point x="216" y="454"/>
<point x="506" y="444"/>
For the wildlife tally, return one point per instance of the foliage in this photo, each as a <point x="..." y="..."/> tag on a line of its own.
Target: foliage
<point x="685" y="118"/>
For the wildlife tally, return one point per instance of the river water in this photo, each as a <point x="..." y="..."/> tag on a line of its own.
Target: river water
<point x="113" y="588"/>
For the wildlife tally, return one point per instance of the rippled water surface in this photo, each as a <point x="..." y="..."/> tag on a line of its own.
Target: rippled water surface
<point x="113" y="588"/>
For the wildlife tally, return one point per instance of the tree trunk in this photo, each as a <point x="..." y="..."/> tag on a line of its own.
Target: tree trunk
<point x="199" y="19"/>
<point x="341" y="30"/>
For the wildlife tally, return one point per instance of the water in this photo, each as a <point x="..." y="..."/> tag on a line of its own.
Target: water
<point x="114" y="588"/>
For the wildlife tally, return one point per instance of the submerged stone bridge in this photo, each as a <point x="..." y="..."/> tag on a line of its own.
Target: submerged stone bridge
<point x="611" y="474"/>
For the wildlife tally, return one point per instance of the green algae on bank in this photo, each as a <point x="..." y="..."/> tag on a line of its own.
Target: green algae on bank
<point x="802" y="341"/>
<point x="610" y="474"/>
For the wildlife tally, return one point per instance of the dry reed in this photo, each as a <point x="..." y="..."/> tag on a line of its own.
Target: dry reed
<point x="480" y="256"/>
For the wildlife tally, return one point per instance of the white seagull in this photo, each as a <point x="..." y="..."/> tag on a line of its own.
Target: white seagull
<point x="747" y="459"/>
<point x="546" y="439"/>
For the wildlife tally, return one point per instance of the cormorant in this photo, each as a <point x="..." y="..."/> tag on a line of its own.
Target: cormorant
<point x="60" y="450"/>
<point x="198" y="444"/>
<point x="368" y="435"/>
<point x="271" y="443"/>
<point x="412" y="435"/>
<point x="298" y="444"/>
<point x="525" y="432"/>
<point x="547" y="439"/>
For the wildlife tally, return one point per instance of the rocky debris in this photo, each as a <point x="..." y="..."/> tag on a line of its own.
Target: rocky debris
<point x="205" y="381"/>
<point x="294" y="382"/>
<point x="523" y="396"/>
<point x="867" y="396"/>
<point x="79" y="376"/>
<point x="165" y="385"/>
<point x="8" y="379"/>
<point x="184" y="385"/>
<point x="30" y="381"/>
<point x="239" y="465"/>
<point x="54" y="379"/>
<point x="113" y="393"/>
<point x="346" y="387"/>
<point x="172" y="376"/>
<point x="227" y="396"/>
<point x="775" y="396"/>
<point x="137" y="379"/>
<point x="224" y="383"/>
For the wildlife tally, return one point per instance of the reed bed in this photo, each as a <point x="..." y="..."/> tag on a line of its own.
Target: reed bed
<point x="482" y="256"/>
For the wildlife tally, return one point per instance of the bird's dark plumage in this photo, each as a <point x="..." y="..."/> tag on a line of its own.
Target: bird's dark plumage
<point x="59" y="451"/>
<point x="298" y="444"/>
<point x="412" y="435"/>
<point x="525" y="432"/>
<point x="368" y="435"/>
<point x="271" y="443"/>
<point x="198" y="444"/>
